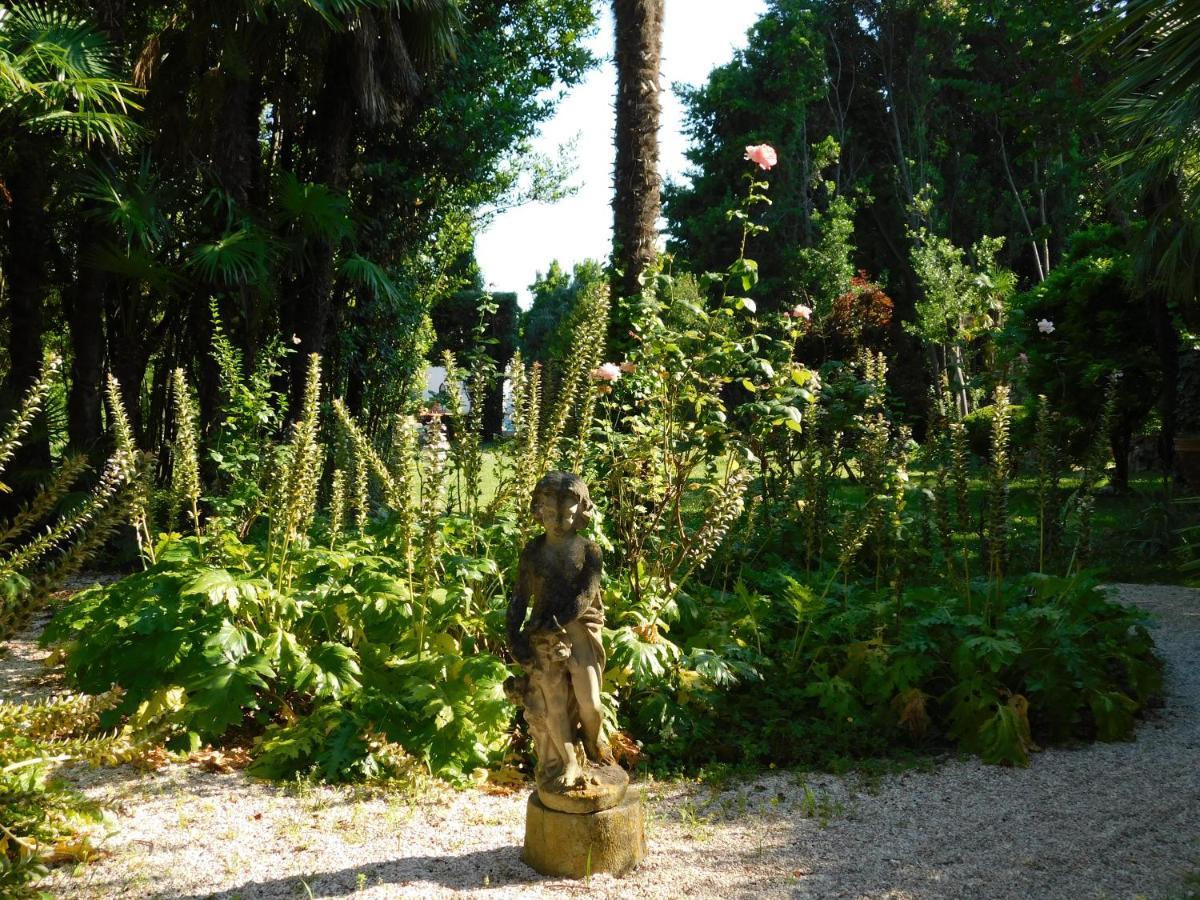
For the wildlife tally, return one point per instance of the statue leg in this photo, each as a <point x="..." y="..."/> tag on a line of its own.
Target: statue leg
<point x="587" y="669"/>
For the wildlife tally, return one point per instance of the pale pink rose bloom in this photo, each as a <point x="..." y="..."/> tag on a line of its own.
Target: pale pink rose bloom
<point x="1023" y="358"/>
<point x="628" y="368"/>
<point x="763" y="154"/>
<point x="606" y="372"/>
<point x="1045" y="326"/>
<point x="800" y="311"/>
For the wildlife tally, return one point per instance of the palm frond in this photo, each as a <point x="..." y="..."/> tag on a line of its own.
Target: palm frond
<point x="370" y="275"/>
<point x="241" y="256"/>
<point x="315" y="209"/>
<point x="431" y="28"/>
<point x="337" y="13"/>
<point x="111" y="128"/>
<point x="56" y="40"/>
<point x="56" y="75"/>
<point x="1153" y="103"/>
<point x="134" y="264"/>
<point x="129" y="204"/>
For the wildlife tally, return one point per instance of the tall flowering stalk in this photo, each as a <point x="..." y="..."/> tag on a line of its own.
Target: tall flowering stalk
<point x="139" y="505"/>
<point x="185" y="452"/>
<point x="295" y="497"/>
<point x="403" y="464"/>
<point x="46" y="501"/>
<point x="725" y="507"/>
<point x="590" y="324"/>
<point x="1047" y="475"/>
<point x="433" y="501"/>
<point x="113" y="478"/>
<point x="897" y="503"/>
<point x="939" y="442"/>
<point x="31" y="404"/>
<point x="1093" y="473"/>
<point x="818" y="462"/>
<point x="372" y="462"/>
<point x="460" y="450"/>
<point x="527" y="434"/>
<point x="520" y="454"/>
<point x="360" y="500"/>
<point x="471" y="436"/>
<point x="997" y="520"/>
<point x="337" y="507"/>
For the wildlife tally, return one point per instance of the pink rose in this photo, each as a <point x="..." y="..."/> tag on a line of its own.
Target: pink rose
<point x="800" y="311"/>
<point x="1045" y="326"/>
<point x="606" y="372"/>
<point x="763" y="154"/>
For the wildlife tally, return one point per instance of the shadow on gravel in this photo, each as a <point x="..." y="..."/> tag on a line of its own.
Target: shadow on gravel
<point x="500" y="866"/>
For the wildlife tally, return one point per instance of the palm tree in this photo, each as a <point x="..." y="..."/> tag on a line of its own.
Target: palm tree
<point x="58" y="95"/>
<point x="1153" y="105"/>
<point x="375" y="59"/>
<point x="636" y="202"/>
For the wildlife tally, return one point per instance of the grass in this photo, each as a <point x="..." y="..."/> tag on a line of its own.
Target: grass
<point x="1136" y="532"/>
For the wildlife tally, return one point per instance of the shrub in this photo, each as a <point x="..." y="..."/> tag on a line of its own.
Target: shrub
<point x="1082" y="325"/>
<point x="45" y="542"/>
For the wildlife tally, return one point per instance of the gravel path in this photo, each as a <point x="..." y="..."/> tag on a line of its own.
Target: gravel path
<point x="1106" y="820"/>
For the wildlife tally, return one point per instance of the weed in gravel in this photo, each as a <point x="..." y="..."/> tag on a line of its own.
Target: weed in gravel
<point x="734" y="807"/>
<point x="358" y="829"/>
<point x="821" y="807"/>
<point x="290" y="829"/>
<point x="396" y="815"/>
<point x="696" y="821"/>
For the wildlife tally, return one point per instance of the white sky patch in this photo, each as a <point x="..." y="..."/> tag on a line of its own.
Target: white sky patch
<point x="698" y="35"/>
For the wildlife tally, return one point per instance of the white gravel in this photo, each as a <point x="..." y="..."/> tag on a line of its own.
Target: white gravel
<point x="1105" y="820"/>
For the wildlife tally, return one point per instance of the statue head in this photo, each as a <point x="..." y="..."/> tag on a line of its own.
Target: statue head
<point x="561" y="503"/>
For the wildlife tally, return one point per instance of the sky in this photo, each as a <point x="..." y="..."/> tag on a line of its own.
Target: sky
<point x="697" y="36"/>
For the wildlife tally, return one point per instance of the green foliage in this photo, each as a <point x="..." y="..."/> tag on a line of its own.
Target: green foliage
<point x="348" y="657"/>
<point x="57" y="78"/>
<point x="766" y="93"/>
<point x="1056" y="660"/>
<point x="334" y="653"/>
<point x="1099" y="328"/>
<point x="544" y="335"/>
<point x="33" y="564"/>
<point x="41" y="820"/>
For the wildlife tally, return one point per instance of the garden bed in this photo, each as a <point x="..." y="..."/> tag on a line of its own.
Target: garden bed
<point x="1114" y="819"/>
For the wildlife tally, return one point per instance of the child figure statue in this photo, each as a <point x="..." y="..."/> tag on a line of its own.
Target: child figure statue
<point x="562" y="653"/>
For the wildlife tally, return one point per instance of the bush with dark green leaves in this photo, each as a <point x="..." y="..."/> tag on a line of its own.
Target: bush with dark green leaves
<point x="806" y="672"/>
<point x="312" y="670"/>
<point x="1081" y="326"/>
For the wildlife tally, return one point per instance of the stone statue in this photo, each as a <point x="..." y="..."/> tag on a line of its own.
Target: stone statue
<point x="561" y="651"/>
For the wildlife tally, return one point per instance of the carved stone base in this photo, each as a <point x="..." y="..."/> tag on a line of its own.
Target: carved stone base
<point x="576" y="845"/>
<point x="601" y="787"/>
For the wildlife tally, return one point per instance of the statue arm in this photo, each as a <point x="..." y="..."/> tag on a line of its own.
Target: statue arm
<point x="518" y="640"/>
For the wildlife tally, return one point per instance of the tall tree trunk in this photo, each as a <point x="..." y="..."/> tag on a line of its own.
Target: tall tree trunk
<point x="1166" y="340"/>
<point x="636" y="202"/>
<point x="85" y="319"/>
<point x="307" y="309"/>
<point x="236" y="155"/>
<point x="27" y="285"/>
<point x="84" y="306"/>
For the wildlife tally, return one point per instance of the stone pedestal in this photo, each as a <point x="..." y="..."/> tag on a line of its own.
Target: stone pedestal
<point x="576" y="845"/>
